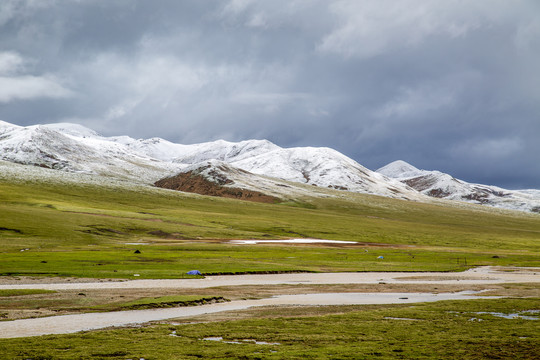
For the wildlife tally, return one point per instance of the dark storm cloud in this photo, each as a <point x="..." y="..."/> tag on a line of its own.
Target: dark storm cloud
<point x="443" y="85"/>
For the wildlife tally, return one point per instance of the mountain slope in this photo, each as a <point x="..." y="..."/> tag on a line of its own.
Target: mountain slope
<point x="254" y="165"/>
<point x="74" y="148"/>
<point x="324" y="167"/>
<point x="217" y="178"/>
<point x="191" y="154"/>
<point x="442" y="185"/>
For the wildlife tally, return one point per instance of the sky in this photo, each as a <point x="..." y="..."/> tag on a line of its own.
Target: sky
<point x="448" y="85"/>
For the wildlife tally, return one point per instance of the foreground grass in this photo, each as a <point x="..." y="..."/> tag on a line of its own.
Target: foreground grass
<point x="443" y="330"/>
<point x="22" y="292"/>
<point x="85" y="231"/>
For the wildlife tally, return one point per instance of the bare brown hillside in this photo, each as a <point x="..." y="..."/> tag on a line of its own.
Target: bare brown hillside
<point x="196" y="183"/>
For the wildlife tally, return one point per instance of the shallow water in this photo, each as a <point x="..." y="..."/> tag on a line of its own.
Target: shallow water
<point x="519" y="315"/>
<point x="243" y="341"/>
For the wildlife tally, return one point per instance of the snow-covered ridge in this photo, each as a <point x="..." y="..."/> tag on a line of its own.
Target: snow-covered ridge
<point x="219" y="175"/>
<point x="255" y="165"/>
<point x="400" y="169"/>
<point x="323" y="167"/>
<point x="442" y="185"/>
<point x="74" y="148"/>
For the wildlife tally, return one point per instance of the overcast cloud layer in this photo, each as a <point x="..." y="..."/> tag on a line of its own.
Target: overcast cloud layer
<point x="449" y="85"/>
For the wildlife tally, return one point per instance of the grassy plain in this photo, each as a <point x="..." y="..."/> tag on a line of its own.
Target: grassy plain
<point x="91" y="231"/>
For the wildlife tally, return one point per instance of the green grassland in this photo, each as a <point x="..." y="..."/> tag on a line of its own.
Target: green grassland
<point x="442" y="330"/>
<point x="22" y="292"/>
<point x="85" y="230"/>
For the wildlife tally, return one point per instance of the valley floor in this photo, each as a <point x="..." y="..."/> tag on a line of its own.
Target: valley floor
<point x="482" y="277"/>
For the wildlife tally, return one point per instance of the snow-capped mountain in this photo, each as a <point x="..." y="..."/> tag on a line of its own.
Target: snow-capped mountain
<point x="441" y="185"/>
<point x="226" y="151"/>
<point x="218" y="178"/>
<point x="74" y="148"/>
<point x="191" y="154"/>
<point x="258" y="166"/>
<point x="323" y="167"/>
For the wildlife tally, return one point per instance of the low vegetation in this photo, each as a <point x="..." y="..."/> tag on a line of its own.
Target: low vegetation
<point x="22" y="292"/>
<point x="91" y="231"/>
<point x="169" y="301"/>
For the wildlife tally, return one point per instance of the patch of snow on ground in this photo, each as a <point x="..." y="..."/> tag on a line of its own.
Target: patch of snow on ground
<point x="290" y="241"/>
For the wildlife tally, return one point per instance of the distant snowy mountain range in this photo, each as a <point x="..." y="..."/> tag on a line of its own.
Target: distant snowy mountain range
<point x="252" y="169"/>
<point x="441" y="185"/>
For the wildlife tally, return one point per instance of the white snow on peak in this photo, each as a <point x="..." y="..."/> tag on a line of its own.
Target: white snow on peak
<point x="74" y="148"/>
<point x="226" y="175"/>
<point x="255" y="164"/>
<point x="203" y="166"/>
<point x="191" y="154"/>
<point x="156" y="148"/>
<point x="400" y="169"/>
<point x="7" y="127"/>
<point x="5" y="124"/>
<point x="72" y="129"/>
<point x="225" y="151"/>
<point x="323" y="167"/>
<point x="441" y="185"/>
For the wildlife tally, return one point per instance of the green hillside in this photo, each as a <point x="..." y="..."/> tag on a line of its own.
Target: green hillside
<point x="89" y="230"/>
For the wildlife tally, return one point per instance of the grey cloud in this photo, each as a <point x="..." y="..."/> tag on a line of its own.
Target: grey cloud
<point x="10" y="62"/>
<point x="15" y="84"/>
<point x="29" y="87"/>
<point x="442" y="85"/>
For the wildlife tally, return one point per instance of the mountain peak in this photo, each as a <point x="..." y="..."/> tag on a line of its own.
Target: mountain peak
<point x="399" y="169"/>
<point x="5" y="127"/>
<point x="243" y="169"/>
<point x="72" y="129"/>
<point x="6" y="124"/>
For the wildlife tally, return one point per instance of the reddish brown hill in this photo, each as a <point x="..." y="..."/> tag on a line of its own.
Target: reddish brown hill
<point x="196" y="183"/>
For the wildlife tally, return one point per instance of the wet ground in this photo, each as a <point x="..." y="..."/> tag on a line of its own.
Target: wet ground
<point x="77" y="322"/>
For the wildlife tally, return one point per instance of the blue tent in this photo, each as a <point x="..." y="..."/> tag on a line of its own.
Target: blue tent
<point x="194" y="272"/>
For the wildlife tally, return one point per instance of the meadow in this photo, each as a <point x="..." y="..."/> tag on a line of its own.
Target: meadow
<point x="50" y="229"/>
<point x="94" y="231"/>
